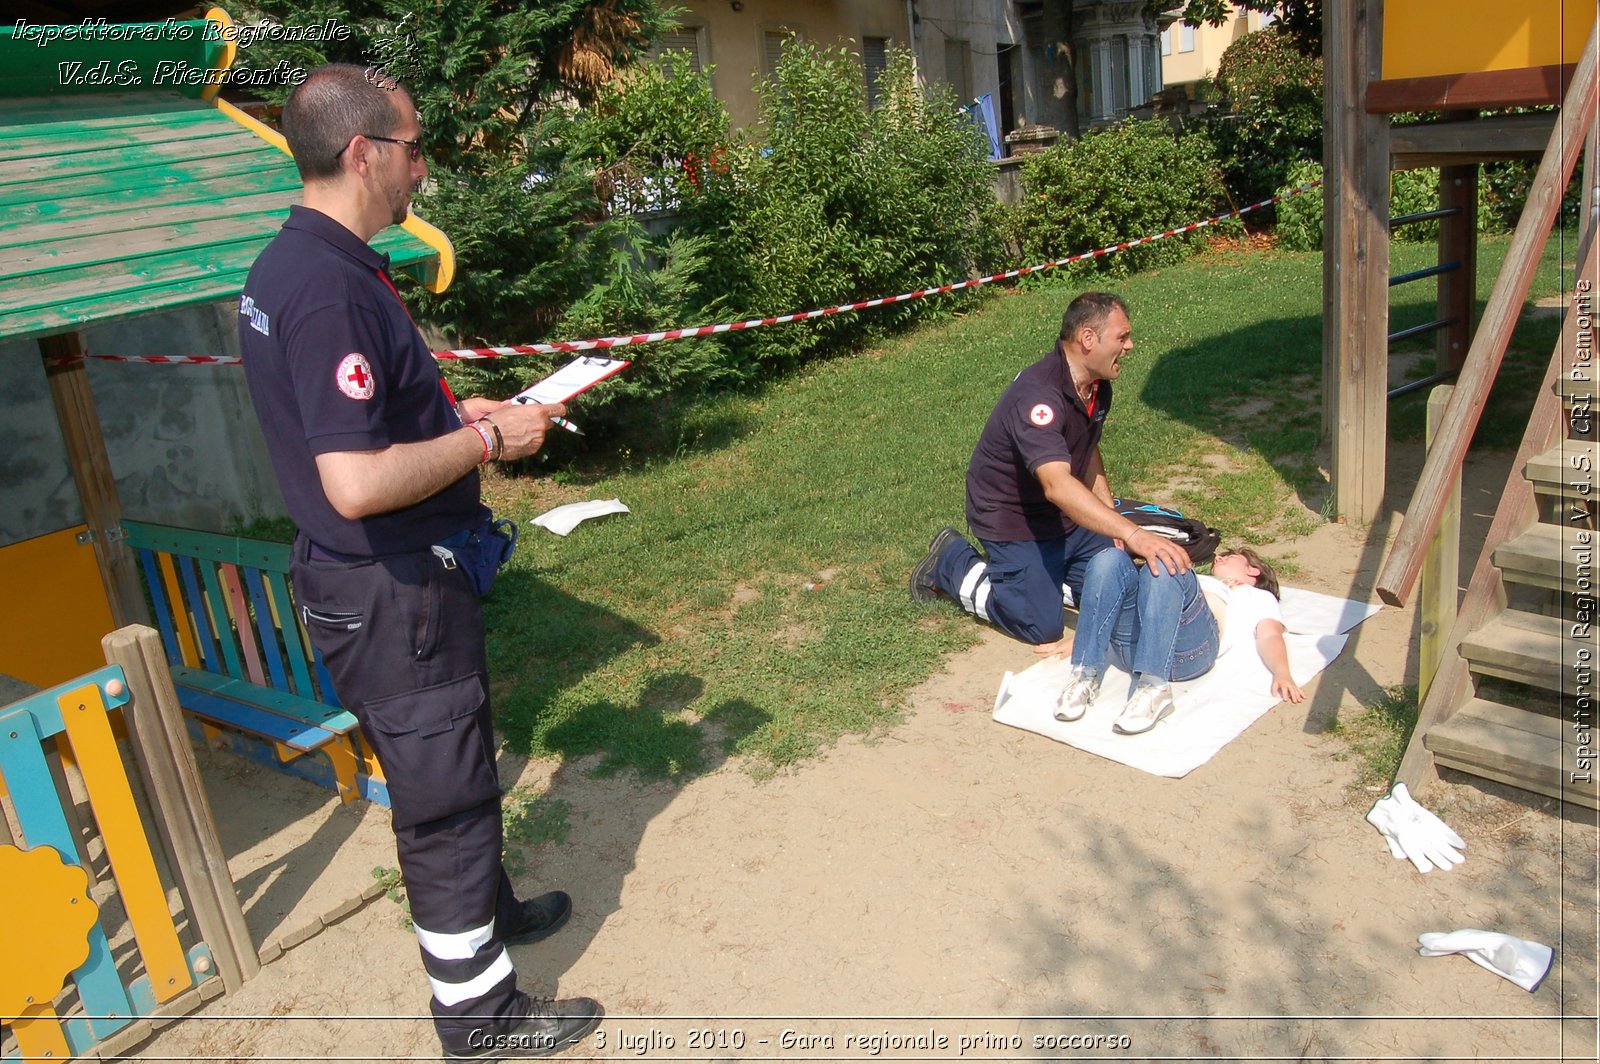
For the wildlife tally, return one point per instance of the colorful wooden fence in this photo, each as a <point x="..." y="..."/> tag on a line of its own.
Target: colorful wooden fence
<point x="241" y="658"/>
<point x="55" y="945"/>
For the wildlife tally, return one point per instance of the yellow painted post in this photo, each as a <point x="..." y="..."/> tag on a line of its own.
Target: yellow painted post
<point x="83" y="711"/>
<point x="342" y="753"/>
<point x="40" y="1035"/>
<point x="1441" y="569"/>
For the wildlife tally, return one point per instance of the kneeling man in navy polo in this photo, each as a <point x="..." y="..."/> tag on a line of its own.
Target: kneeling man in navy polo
<point x="1037" y="495"/>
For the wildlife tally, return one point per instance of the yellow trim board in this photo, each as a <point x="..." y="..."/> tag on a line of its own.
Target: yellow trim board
<point x="229" y="53"/>
<point x="83" y="712"/>
<point x="426" y="232"/>
<point x="255" y="125"/>
<point x="434" y="237"/>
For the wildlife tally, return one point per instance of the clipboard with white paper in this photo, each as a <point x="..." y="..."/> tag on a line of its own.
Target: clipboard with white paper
<point x="576" y="376"/>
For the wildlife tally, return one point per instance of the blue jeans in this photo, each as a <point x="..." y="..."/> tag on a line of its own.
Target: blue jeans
<point x="1150" y="625"/>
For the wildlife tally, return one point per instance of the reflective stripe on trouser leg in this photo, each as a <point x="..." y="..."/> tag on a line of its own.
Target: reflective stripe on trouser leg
<point x="454" y="883"/>
<point x="975" y="591"/>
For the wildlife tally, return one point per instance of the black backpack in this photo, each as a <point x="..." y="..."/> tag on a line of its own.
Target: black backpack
<point x="1193" y="535"/>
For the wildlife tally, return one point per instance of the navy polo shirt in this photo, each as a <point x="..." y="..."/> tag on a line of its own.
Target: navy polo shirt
<point x="334" y="363"/>
<point x="1038" y="419"/>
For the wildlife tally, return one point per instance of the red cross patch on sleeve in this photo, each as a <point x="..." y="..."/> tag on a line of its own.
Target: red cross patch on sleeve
<point x="354" y="376"/>
<point x="1041" y="415"/>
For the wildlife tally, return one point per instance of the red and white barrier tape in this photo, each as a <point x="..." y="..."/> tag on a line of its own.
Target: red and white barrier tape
<point x="162" y="360"/>
<point x="607" y="342"/>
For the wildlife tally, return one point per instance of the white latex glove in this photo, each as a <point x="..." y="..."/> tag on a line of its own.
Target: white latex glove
<point x="1432" y="823"/>
<point x="1382" y="817"/>
<point x="1414" y="833"/>
<point x="1524" y="963"/>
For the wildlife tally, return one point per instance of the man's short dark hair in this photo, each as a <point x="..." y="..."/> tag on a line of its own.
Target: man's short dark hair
<point x="334" y="103"/>
<point x="1090" y="309"/>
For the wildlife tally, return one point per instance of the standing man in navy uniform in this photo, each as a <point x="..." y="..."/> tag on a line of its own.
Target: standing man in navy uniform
<point x="378" y="464"/>
<point x="1037" y="495"/>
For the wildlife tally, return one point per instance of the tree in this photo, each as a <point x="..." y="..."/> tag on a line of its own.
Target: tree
<point x="498" y="85"/>
<point x="483" y="72"/>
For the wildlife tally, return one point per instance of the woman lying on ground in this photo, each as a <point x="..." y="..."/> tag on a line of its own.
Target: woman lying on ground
<point x="1162" y="627"/>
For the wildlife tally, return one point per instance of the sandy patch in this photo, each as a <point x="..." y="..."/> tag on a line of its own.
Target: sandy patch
<point x="957" y="879"/>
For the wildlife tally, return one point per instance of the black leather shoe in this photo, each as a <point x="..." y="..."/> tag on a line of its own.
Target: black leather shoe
<point x="550" y="1027"/>
<point x="923" y="588"/>
<point x="539" y="918"/>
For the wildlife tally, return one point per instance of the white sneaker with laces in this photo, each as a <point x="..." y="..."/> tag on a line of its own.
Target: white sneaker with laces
<point x="1146" y="706"/>
<point x="1083" y="687"/>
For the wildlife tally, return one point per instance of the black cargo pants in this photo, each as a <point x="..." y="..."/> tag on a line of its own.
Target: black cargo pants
<point x="403" y="639"/>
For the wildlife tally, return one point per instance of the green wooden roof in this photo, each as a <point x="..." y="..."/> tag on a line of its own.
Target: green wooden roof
<point x="114" y="205"/>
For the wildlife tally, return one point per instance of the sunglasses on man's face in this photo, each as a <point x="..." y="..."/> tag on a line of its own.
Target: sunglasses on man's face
<point x="415" y="146"/>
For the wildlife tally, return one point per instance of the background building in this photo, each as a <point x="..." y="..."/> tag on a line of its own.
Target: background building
<point x="1190" y="54"/>
<point x="1008" y="50"/>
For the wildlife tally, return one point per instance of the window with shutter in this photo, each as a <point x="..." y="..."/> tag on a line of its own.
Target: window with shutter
<point x="772" y="49"/>
<point x="875" y="60"/>
<point x="683" y="39"/>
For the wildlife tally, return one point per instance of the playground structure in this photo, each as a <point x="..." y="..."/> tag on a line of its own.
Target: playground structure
<point x="1507" y="689"/>
<point x="79" y="887"/>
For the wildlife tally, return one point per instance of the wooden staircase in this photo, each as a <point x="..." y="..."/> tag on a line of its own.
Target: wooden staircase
<point x="1513" y="690"/>
<point x="1516" y="693"/>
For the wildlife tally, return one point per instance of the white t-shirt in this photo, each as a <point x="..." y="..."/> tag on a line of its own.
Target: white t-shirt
<point x="1242" y="609"/>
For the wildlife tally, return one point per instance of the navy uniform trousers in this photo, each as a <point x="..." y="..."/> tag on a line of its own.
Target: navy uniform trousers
<point x="403" y="640"/>
<point x="1017" y="588"/>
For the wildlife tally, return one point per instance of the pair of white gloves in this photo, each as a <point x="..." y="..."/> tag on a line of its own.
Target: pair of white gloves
<point x="1414" y="833"/>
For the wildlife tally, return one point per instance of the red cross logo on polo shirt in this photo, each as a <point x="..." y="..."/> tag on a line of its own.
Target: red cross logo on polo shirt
<point x="354" y="376"/>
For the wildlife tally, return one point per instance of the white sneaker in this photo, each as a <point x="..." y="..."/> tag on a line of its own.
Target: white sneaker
<point x="1145" y="708"/>
<point x="1083" y="687"/>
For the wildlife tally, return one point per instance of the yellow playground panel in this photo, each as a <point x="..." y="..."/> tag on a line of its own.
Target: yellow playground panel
<point x="56" y="608"/>
<point x="1430" y="38"/>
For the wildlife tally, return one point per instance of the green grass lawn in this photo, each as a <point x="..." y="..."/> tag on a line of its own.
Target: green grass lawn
<point x="665" y="639"/>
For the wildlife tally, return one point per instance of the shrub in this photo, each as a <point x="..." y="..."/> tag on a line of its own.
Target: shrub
<point x="1118" y="182"/>
<point x="526" y="238"/>
<point x="847" y="204"/>
<point x="1503" y="191"/>
<point x="840" y="204"/>
<point x="497" y="83"/>
<point x="1273" y="117"/>
<point x="1300" y="217"/>
<point x="1300" y="220"/>
<point x="1412" y="192"/>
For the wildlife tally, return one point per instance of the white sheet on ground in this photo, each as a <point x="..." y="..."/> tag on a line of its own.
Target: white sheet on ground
<point x="1211" y="711"/>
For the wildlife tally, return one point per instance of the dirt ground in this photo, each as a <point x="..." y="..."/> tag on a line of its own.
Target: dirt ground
<point x="957" y="889"/>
